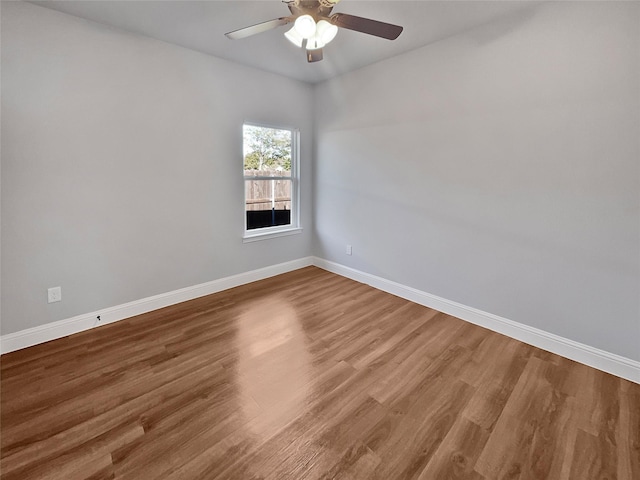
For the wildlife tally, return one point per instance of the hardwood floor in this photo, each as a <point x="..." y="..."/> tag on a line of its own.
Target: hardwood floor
<point x="309" y="375"/>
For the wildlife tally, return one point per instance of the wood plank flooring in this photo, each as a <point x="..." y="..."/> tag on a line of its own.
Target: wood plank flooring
<point x="304" y="376"/>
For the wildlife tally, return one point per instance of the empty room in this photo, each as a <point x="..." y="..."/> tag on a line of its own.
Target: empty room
<point x="320" y="239"/>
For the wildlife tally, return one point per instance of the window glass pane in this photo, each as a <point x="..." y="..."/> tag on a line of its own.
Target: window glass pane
<point x="267" y="203"/>
<point x="267" y="151"/>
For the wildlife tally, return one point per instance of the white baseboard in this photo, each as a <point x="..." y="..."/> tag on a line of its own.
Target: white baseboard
<point x="594" y="357"/>
<point x="69" y="326"/>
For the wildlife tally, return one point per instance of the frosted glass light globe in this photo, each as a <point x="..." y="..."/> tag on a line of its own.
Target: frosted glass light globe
<point x="315" y="42"/>
<point x="294" y="37"/>
<point x="305" y="25"/>
<point x="326" y="31"/>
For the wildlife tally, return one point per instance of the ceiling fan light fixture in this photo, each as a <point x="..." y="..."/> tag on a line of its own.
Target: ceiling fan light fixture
<point x="305" y="26"/>
<point x="314" y="26"/>
<point x="294" y="37"/>
<point x="326" y="31"/>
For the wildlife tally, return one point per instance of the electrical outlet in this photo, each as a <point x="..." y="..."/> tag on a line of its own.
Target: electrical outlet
<point x="349" y="250"/>
<point x="54" y="294"/>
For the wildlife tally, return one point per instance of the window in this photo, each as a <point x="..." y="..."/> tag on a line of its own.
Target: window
<point x="270" y="157"/>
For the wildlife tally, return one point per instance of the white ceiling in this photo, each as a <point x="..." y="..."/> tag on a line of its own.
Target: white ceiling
<point x="201" y="25"/>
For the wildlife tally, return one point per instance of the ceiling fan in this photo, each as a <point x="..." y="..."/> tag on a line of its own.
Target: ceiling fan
<point x="313" y="28"/>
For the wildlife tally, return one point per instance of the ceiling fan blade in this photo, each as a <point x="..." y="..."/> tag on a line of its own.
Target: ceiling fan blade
<point x="314" y="55"/>
<point x="258" y="28"/>
<point x="365" y="25"/>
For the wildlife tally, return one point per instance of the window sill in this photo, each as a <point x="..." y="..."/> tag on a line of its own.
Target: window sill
<point x="255" y="237"/>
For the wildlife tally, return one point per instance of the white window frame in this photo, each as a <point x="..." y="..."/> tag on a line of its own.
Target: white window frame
<point x="278" y="230"/>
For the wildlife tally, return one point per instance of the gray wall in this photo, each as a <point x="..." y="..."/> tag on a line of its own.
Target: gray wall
<point x="499" y="169"/>
<point x="121" y="165"/>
